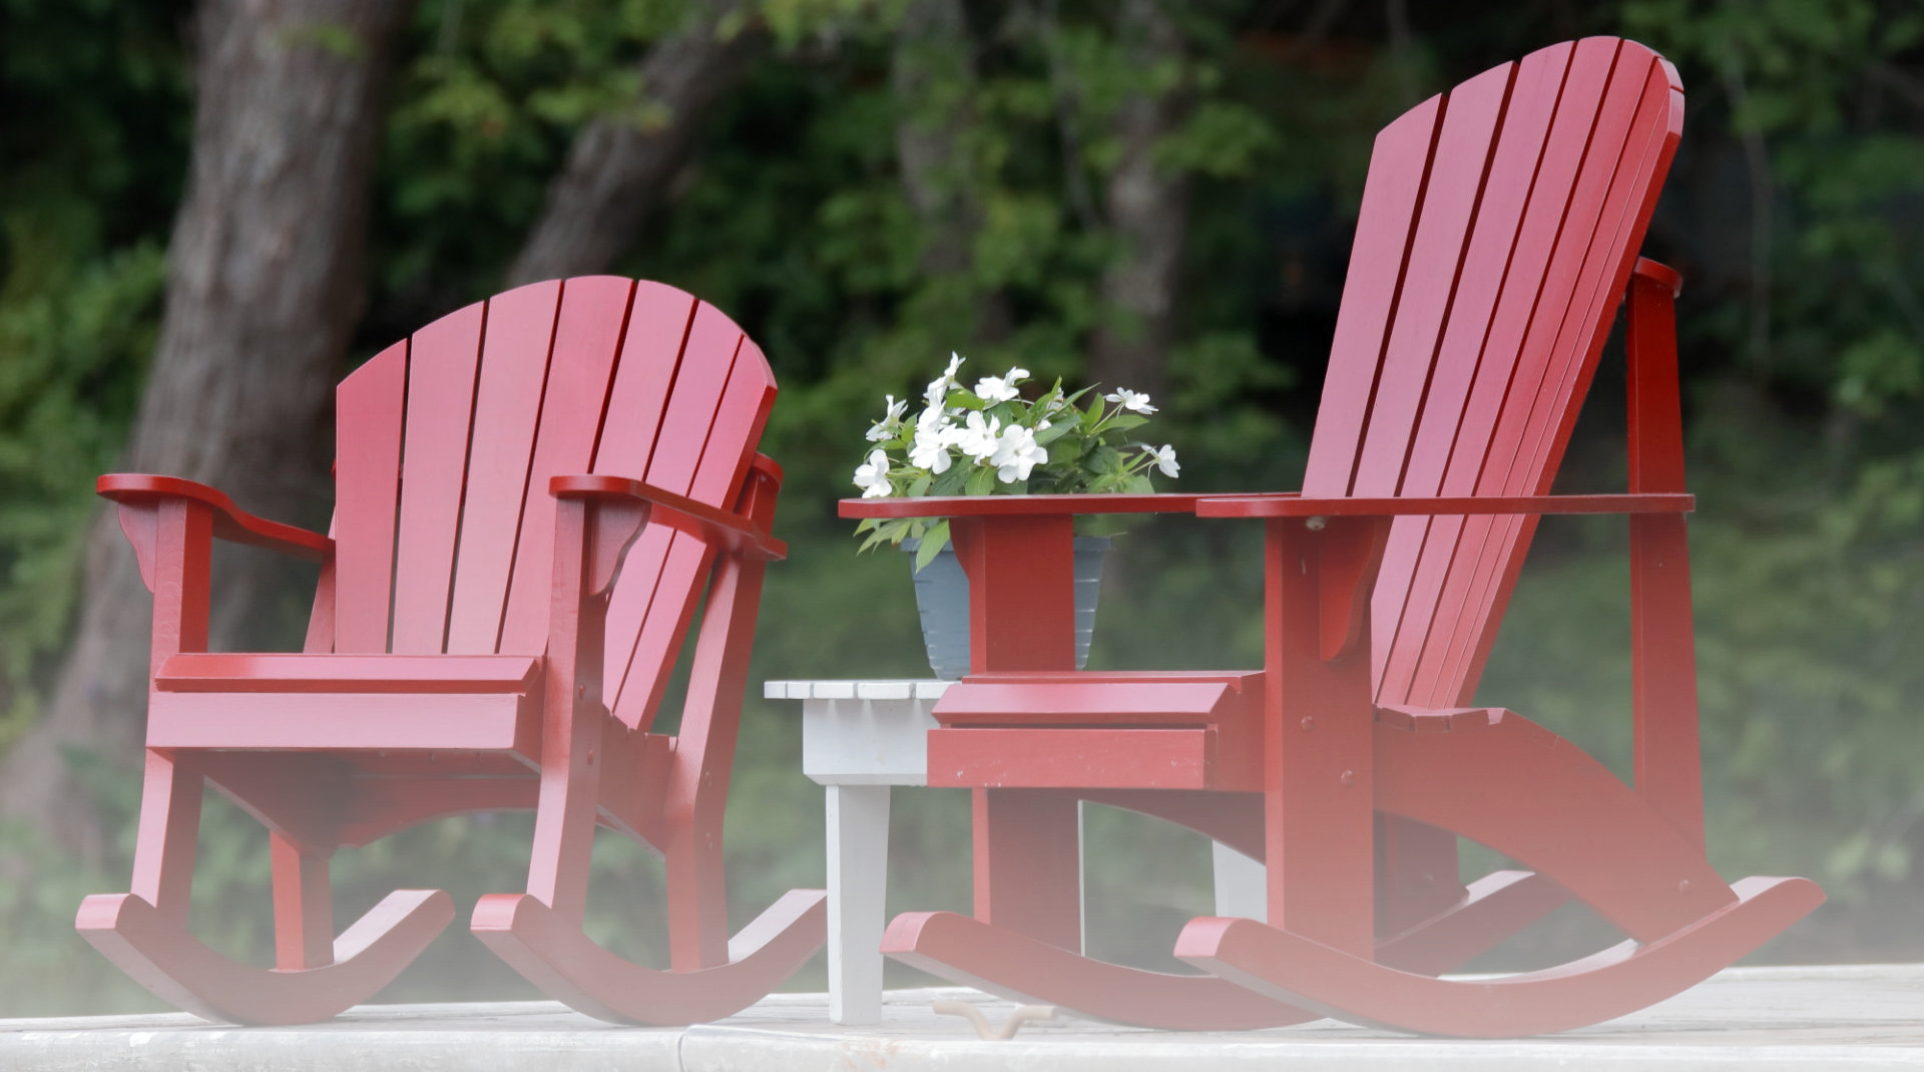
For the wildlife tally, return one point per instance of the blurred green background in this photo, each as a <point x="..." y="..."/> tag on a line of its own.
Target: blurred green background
<point x="1795" y="211"/>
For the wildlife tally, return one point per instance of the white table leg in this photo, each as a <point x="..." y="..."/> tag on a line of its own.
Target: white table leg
<point x="1242" y="885"/>
<point x="858" y="852"/>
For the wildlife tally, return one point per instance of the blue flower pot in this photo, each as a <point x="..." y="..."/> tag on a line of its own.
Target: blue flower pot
<point x="942" y="597"/>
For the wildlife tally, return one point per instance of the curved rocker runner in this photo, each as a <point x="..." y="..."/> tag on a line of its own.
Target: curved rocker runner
<point x="535" y="497"/>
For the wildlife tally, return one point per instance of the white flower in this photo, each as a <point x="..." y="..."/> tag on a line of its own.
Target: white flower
<point x="873" y="478"/>
<point x="993" y="389"/>
<point x="938" y="389"/>
<point x="1165" y="459"/>
<point x="1132" y="400"/>
<point x="934" y="435"/>
<point x="890" y="420"/>
<point x="1016" y="453"/>
<point x="978" y="440"/>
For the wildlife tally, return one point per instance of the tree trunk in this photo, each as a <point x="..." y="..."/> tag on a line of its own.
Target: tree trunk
<point x="264" y="291"/>
<point x="1148" y="209"/>
<point x="618" y="172"/>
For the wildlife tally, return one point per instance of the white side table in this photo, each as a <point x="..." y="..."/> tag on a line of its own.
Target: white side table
<point x="859" y="738"/>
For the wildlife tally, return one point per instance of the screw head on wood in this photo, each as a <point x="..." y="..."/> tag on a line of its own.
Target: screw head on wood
<point x="1316" y="524"/>
<point x="1349" y="777"/>
<point x="1308" y="723"/>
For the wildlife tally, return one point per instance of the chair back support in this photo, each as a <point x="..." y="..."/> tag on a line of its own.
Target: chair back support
<point x="1499" y="225"/>
<point x="444" y="526"/>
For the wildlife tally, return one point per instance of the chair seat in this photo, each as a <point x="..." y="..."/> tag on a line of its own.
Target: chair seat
<point x="1111" y="730"/>
<point x="472" y="703"/>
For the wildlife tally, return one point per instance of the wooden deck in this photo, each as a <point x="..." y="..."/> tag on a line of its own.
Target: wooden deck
<point x="1754" y="1019"/>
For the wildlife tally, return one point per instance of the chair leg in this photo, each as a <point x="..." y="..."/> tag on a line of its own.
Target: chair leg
<point x="169" y="833"/>
<point x="303" y="907"/>
<point x="697" y="898"/>
<point x="1028" y="863"/>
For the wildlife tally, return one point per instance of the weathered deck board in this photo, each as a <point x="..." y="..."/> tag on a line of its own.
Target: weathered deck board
<point x="1756" y="1019"/>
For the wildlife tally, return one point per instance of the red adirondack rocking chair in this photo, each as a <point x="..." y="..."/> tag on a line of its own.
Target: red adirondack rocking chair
<point x="471" y="649"/>
<point x="1499" y="227"/>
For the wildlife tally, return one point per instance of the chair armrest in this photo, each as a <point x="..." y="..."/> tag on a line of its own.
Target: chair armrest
<point x="1299" y="506"/>
<point x="231" y="523"/>
<point x="717" y="527"/>
<point x="1018" y="505"/>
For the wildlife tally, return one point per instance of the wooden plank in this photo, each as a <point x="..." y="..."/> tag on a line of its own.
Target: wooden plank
<point x="367" y="720"/>
<point x="227" y="672"/>
<point x="507" y="406"/>
<point x="1035" y="758"/>
<point x="677" y="564"/>
<point x="1404" y="591"/>
<point x="1458" y="165"/>
<point x="443" y="358"/>
<point x="1399" y="164"/>
<point x="658" y="323"/>
<point x="1462" y="161"/>
<point x="370" y="405"/>
<point x="1095" y="701"/>
<point x="588" y="336"/>
<point x="1528" y="445"/>
<point x="1525" y="281"/>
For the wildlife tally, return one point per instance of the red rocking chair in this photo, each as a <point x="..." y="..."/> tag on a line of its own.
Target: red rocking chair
<point x="1499" y="232"/>
<point x="534" y="496"/>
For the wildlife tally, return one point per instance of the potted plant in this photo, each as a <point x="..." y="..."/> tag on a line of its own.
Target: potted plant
<point x="994" y="440"/>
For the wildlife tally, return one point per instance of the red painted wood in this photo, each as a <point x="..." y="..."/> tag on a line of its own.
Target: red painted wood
<point x="556" y="956"/>
<point x="1458" y="167"/>
<point x="1028" y="864"/>
<point x="1402" y="590"/>
<point x="225" y="672"/>
<point x="369" y="408"/>
<point x="163" y="957"/>
<point x="1667" y="758"/>
<point x="491" y="721"/>
<point x="442" y="362"/>
<point x="1012" y="965"/>
<point x="1018" y="505"/>
<point x="1042" y="758"/>
<point x="229" y="522"/>
<point x="1630" y="200"/>
<point x="488" y="422"/>
<point x="1021" y="580"/>
<point x="646" y="637"/>
<point x="1504" y="781"/>
<point x="998" y="700"/>
<point x="507" y="408"/>
<point x="1496" y="241"/>
<point x="1318" y="776"/>
<point x="1617" y="981"/>
<point x="1276" y="506"/>
<point x="1530" y="297"/>
<point x="717" y="528"/>
<point x="1399" y="165"/>
<point x="587" y="337"/>
<point x="303" y="908"/>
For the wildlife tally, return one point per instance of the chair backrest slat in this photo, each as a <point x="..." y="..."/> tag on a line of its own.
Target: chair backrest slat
<point x="443" y="359"/>
<point x="587" y="338"/>
<point x="701" y="451"/>
<point x="1502" y="220"/>
<point x="448" y="443"/>
<point x="507" y="407"/>
<point x="369" y="405"/>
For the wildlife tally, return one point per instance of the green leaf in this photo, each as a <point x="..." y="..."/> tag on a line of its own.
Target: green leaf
<point x="933" y="540"/>
<point x="981" y="481"/>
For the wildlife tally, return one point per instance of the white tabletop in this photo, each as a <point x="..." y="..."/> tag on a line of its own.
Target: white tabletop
<point x="922" y="689"/>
